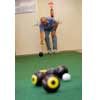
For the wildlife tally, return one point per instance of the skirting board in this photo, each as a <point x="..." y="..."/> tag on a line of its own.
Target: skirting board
<point x="79" y="50"/>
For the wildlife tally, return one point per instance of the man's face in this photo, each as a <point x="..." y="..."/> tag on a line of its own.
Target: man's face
<point x="44" y="21"/>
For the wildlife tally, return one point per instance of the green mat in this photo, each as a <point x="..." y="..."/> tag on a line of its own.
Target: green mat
<point x="25" y="66"/>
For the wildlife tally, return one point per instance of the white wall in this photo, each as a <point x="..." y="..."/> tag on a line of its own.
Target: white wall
<point x="69" y="33"/>
<point x="27" y="39"/>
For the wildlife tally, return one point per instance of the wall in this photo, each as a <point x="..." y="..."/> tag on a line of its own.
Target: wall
<point x="27" y="39"/>
<point x="69" y="32"/>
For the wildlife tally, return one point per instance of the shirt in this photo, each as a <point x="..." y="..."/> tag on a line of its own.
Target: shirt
<point x="48" y="26"/>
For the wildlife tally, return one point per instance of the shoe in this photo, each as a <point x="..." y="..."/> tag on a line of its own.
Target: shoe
<point x="49" y="52"/>
<point x="55" y="51"/>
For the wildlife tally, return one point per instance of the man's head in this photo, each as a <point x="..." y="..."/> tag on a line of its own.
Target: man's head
<point x="43" y="20"/>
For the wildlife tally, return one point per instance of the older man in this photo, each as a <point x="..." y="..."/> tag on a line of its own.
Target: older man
<point x="47" y="26"/>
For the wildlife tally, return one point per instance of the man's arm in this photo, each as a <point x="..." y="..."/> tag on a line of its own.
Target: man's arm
<point x="41" y="37"/>
<point x="55" y="26"/>
<point x="54" y="23"/>
<point x="41" y="34"/>
<point x="53" y="33"/>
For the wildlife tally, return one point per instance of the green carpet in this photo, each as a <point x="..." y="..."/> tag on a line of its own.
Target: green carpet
<point x="26" y="65"/>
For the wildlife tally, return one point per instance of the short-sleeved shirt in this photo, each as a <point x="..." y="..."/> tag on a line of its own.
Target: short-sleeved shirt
<point x="48" y="26"/>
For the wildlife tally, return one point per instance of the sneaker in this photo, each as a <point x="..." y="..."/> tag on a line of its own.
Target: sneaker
<point x="55" y="51"/>
<point x="49" y="52"/>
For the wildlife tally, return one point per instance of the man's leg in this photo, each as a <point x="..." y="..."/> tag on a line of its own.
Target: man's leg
<point x="54" y="41"/>
<point x="54" y="37"/>
<point x="47" y="40"/>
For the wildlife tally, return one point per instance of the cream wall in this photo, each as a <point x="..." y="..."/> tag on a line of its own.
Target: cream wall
<point x="27" y="39"/>
<point x="69" y="32"/>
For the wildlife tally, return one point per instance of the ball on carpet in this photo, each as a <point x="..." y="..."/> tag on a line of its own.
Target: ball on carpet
<point x="37" y="78"/>
<point x="51" y="83"/>
<point x="40" y="54"/>
<point x="60" y="70"/>
<point x="66" y="77"/>
<point x="52" y="71"/>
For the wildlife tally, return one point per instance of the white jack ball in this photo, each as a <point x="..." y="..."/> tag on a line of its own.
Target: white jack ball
<point x="66" y="77"/>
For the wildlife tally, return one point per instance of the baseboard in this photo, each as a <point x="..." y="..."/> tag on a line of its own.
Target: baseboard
<point x="78" y="50"/>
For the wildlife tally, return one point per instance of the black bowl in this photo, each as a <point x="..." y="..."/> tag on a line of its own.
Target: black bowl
<point x="40" y="54"/>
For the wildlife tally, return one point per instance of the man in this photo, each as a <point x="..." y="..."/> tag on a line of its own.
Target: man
<point x="47" y="26"/>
